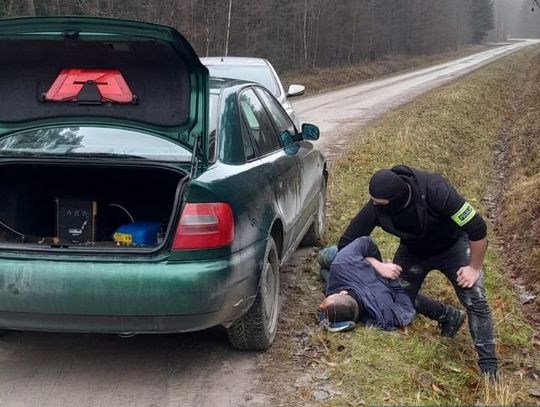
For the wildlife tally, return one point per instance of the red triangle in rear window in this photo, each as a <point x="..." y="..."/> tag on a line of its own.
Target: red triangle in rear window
<point x="110" y="83"/>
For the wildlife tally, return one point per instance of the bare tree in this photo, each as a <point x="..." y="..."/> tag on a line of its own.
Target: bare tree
<point x="228" y="29"/>
<point x="302" y="33"/>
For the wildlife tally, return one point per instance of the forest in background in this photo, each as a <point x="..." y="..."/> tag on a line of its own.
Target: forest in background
<point x="313" y="33"/>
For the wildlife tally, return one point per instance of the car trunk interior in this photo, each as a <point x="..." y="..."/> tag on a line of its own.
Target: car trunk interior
<point x="93" y="206"/>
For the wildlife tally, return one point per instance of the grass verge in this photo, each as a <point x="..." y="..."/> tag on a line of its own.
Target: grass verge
<point x="318" y="80"/>
<point x="451" y="131"/>
<point x="520" y="209"/>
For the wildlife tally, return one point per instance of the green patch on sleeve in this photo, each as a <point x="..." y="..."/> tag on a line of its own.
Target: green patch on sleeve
<point x="464" y="214"/>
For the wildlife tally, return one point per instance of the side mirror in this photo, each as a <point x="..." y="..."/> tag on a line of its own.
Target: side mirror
<point x="310" y="132"/>
<point x="289" y="145"/>
<point x="296" y="90"/>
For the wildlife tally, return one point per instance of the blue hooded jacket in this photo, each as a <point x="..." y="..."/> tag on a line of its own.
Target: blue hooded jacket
<point x="386" y="304"/>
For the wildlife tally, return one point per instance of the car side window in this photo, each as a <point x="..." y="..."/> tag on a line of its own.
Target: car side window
<point x="281" y="118"/>
<point x="248" y="143"/>
<point x="258" y="123"/>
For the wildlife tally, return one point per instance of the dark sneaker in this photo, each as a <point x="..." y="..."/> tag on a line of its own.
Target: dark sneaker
<point x="451" y="323"/>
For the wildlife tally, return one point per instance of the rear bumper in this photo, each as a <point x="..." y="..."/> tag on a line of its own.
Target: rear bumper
<point x="87" y="296"/>
<point x="111" y="324"/>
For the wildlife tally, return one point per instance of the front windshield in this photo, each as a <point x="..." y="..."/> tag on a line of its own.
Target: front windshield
<point x="73" y="141"/>
<point x="254" y="73"/>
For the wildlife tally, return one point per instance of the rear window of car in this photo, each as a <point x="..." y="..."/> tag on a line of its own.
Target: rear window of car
<point x="78" y="141"/>
<point x="255" y="73"/>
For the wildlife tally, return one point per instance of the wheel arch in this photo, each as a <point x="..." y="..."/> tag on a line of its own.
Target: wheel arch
<point x="276" y="232"/>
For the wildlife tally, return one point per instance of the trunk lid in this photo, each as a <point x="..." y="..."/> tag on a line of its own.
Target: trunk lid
<point x="159" y="70"/>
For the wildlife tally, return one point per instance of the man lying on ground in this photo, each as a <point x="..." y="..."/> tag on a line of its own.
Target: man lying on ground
<point x="355" y="291"/>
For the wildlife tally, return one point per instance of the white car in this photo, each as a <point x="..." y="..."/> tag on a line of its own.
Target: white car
<point x="257" y="70"/>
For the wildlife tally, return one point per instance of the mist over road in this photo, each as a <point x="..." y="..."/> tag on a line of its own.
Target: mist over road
<point x="45" y="369"/>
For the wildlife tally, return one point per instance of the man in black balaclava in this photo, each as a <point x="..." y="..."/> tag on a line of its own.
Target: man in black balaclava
<point x="388" y="186"/>
<point x="438" y="230"/>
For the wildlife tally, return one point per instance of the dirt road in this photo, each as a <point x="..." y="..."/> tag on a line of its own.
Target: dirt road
<point x="339" y="112"/>
<point x="40" y="369"/>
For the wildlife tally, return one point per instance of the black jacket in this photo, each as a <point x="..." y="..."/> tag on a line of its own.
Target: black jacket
<point x="434" y="220"/>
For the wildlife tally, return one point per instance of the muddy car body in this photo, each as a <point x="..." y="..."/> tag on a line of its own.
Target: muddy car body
<point x="190" y="194"/>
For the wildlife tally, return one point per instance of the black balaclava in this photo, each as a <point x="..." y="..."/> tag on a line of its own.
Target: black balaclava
<point x="385" y="184"/>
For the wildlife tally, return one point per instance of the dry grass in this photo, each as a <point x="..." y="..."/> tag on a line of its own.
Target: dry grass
<point x="451" y="131"/>
<point x="499" y="393"/>
<point x="321" y="79"/>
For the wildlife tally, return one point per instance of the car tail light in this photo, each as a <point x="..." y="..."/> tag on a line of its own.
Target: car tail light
<point x="204" y="226"/>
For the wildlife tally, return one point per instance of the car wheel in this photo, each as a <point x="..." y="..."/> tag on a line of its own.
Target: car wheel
<point x="315" y="233"/>
<point x="3" y="332"/>
<point x="256" y="330"/>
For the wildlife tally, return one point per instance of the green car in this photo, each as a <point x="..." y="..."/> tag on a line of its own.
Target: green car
<point x="136" y="194"/>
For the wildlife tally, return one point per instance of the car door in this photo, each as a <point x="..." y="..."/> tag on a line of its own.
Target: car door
<point x="307" y="158"/>
<point x="280" y="169"/>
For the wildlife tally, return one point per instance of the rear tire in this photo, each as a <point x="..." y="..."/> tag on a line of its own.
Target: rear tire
<point x="256" y="330"/>
<point x="315" y="234"/>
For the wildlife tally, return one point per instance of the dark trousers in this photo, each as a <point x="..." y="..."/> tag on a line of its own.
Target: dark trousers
<point x="415" y="270"/>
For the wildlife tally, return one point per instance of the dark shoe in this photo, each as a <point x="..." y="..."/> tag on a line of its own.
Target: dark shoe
<point x="451" y="323"/>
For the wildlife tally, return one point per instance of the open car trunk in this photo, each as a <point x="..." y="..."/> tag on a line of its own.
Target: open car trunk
<point x="95" y="206"/>
<point x="108" y="72"/>
<point x="162" y="90"/>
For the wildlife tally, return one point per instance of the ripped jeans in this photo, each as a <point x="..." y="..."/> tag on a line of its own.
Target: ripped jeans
<point x="415" y="270"/>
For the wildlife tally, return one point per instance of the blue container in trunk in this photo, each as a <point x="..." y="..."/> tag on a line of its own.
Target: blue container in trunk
<point x="138" y="233"/>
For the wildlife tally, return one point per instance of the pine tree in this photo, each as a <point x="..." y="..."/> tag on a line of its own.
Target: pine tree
<point x="482" y="13"/>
